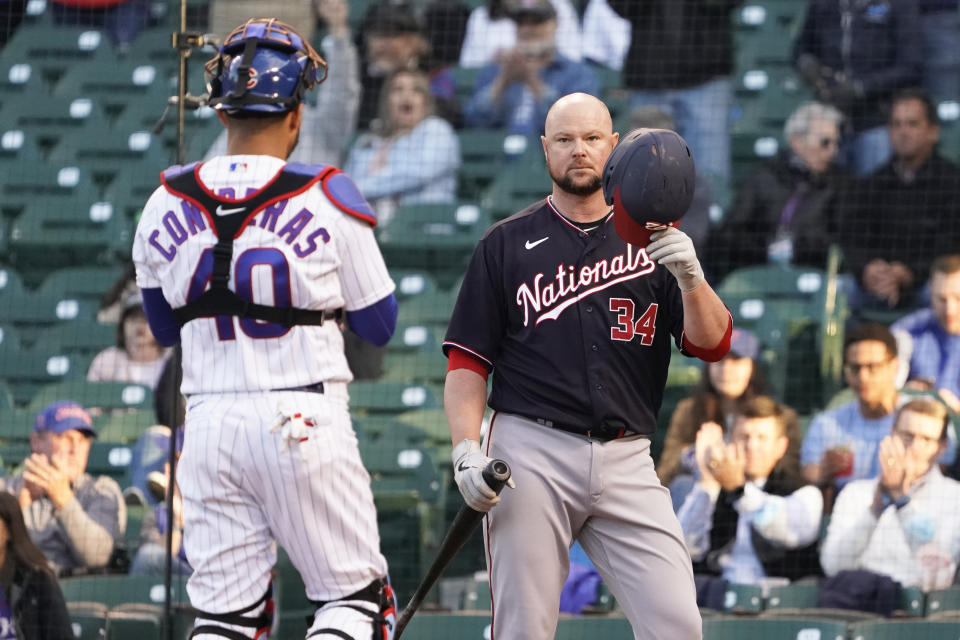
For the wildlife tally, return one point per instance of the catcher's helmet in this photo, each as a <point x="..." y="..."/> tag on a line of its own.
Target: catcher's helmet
<point x="263" y="66"/>
<point x="649" y="179"/>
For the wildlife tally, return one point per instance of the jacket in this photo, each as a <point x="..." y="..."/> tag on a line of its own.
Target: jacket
<point x="760" y="207"/>
<point x="38" y="608"/>
<point x="676" y="44"/>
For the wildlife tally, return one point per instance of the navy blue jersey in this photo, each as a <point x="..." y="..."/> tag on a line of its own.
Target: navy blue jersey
<point x="577" y="326"/>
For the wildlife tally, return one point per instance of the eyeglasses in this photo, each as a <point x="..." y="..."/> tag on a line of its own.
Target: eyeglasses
<point x="854" y="368"/>
<point x="909" y="438"/>
<point x="826" y="143"/>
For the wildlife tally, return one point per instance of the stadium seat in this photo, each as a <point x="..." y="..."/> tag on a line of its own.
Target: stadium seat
<point x="48" y="119"/>
<point x="6" y="398"/>
<point x="797" y="596"/>
<point x="459" y="626"/>
<point x="781" y="629"/>
<point x="388" y="432"/>
<point x="81" y="283"/>
<point x="134" y="620"/>
<point x="608" y="628"/>
<point x="401" y="469"/>
<point x="415" y="337"/>
<point x="465" y="79"/>
<point x="82" y="337"/>
<point x="412" y="283"/>
<point x="432" y="309"/>
<point x="26" y="370"/>
<point x="19" y="78"/>
<point x="88" y="619"/>
<point x="436" y="237"/>
<point x="124" y="82"/>
<point x="432" y="422"/>
<point x="421" y="366"/>
<point x="110" y="459"/>
<point x="390" y="397"/>
<point x="943" y="600"/>
<point x="483" y="155"/>
<point x="55" y="49"/>
<point x="912" y="630"/>
<point x="519" y="184"/>
<point x="106" y="396"/>
<point x="113" y="590"/>
<point x="16" y="425"/>
<point x="53" y="235"/>
<point x="743" y="598"/>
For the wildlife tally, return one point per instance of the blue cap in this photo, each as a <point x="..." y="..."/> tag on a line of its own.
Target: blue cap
<point x="60" y="417"/>
<point x="744" y="344"/>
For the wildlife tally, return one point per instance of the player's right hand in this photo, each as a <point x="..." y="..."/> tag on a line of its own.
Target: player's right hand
<point x="468" y="466"/>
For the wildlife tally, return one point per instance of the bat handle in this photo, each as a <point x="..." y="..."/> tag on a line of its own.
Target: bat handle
<point x="496" y="474"/>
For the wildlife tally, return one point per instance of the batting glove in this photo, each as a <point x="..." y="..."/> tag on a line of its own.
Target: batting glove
<point x="674" y="249"/>
<point x="468" y="466"/>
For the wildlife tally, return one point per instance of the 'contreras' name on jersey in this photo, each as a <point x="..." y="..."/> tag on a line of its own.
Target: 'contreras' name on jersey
<point x="568" y="285"/>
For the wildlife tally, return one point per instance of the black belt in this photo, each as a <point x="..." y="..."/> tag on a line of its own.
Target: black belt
<point x="600" y="434"/>
<point x="316" y="387"/>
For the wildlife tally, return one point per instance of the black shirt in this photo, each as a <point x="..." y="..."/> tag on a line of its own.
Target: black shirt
<point x="576" y="325"/>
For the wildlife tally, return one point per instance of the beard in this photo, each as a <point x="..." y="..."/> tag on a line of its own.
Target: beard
<point x="582" y="188"/>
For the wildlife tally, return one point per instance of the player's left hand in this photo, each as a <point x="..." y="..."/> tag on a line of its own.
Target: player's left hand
<point x="674" y="249"/>
<point x="468" y="466"/>
<point x="48" y="476"/>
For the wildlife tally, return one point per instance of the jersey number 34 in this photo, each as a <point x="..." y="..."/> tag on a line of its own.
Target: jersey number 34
<point x="628" y="326"/>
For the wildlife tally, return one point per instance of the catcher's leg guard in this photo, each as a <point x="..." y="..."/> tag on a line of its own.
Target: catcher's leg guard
<point x="258" y="625"/>
<point x="374" y="607"/>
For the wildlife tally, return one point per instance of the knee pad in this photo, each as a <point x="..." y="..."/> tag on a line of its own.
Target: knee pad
<point x="369" y="614"/>
<point x="255" y="626"/>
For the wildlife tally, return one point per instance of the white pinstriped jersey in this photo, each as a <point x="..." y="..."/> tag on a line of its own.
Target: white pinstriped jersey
<point x="302" y="252"/>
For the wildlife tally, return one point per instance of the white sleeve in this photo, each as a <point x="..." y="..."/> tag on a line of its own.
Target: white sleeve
<point x="147" y="277"/>
<point x="851" y="526"/>
<point x="791" y="521"/>
<point x="364" y="279"/>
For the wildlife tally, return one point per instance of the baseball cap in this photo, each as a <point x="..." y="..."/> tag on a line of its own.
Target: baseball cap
<point x="743" y="344"/>
<point x="60" y="417"/>
<point x="532" y="11"/>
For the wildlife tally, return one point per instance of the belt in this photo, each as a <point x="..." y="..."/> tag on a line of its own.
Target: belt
<point x="600" y="434"/>
<point x="316" y="387"/>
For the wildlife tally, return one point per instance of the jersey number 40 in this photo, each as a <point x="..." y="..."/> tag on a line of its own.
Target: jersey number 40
<point x="627" y="327"/>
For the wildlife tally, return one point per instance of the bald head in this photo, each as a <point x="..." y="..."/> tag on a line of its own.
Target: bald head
<point x="578" y="107"/>
<point x="578" y="138"/>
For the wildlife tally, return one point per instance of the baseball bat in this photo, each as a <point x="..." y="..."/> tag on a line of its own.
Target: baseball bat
<point x="495" y="475"/>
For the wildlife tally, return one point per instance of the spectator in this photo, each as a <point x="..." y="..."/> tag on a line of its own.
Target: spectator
<point x="680" y="59"/>
<point x="137" y="357"/>
<point x="785" y="212"/>
<point x="329" y="124"/>
<point x="444" y="26"/>
<point x="74" y="518"/>
<point x="601" y="37"/>
<point x="904" y="523"/>
<point x="841" y="443"/>
<point x="929" y="339"/>
<point x="902" y="216"/>
<point x="940" y="42"/>
<point x="394" y="40"/>
<point x="112" y="303"/>
<point x="413" y="157"/>
<point x="746" y="519"/>
<point x="517" y="92"/>
<point x="696" y="223"/>
<point x="855" y="55"/>
<point x="152" y="551"/>
<point x="31" y="604"/>
<point x="736" y="377"/>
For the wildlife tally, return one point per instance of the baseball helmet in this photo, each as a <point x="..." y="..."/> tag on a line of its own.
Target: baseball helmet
<point x="649" y="179"/>
<point x="263" y="66"/>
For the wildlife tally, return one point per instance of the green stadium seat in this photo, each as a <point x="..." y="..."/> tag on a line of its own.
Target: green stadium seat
<point x="579" y="627"/>
<point x="110" y="459"/>
<point x="48" y="119"/>
<point x="743" y="598"/>
<point x="459" y="626"/>
<point x="81" y="231"/>
<point x="439" y="238"/>
<point x="124" y="82"/>
<point x="43" y="187"/>
<point x="114" y="590"/>
<point x="401" y="469"/>
<point x="6" y="398"/>
<point x="83" y="337"/>
<point x="422" y="366"/>
<point x="943" y="600"/>
<point x="86" y="283"/>
<point x="103" y="151"/>
<point x="55" y="49"/>
<point x="412" y="283"/>
<point x="465" y="79"/>
<point x="476" y="594"/>
<point x="156" y="45"/>
<point x="26" y="370"/>
<point x="107" y="396"/>
<point x="519" y="184"/>
<point x="432" y="422"/>
<point x="432" y="309"/>
<point x="781" y="629"/>
<point x="909" y="630"/>
<point x="483" y="155"/>
<point x="19" y="78"/>
<point x="18" y="147"/>
<point x="415" y="337"/>
<point x="134" y="620"/>
<point x="130" y="189"/>
<point x="388" y="432"/>
<point x="390" y="397"/>
<point x="8" y="333"/>
<point x="16" y="425"/>
<point x="33" y="313"/>
<point x="796" y="596"/>
<point x="88" y="619"/>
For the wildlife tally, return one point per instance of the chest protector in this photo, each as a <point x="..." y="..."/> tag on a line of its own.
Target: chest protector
<point x="228" y="219"/>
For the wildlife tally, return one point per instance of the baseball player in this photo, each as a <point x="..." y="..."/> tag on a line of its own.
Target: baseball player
<point x="580" y="310"/>
<point x="250" y="262"/>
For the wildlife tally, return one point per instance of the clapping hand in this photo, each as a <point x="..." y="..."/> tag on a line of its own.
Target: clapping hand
<point x="50" y="477"/>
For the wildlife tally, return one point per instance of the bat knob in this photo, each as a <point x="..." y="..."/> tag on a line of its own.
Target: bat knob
<point x="496" y="474"/>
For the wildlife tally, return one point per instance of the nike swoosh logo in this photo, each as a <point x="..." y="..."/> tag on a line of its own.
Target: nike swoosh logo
<point x="228" y="212"/>
<point x="531" y="245"/>
<point x="462" y="467"/>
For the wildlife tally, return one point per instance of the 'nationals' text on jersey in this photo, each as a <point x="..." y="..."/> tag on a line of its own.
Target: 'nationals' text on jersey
<point x="575" y="302"/>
